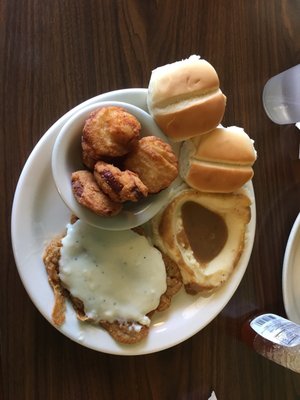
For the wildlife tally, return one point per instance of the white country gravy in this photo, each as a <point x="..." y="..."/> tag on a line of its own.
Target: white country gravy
<point x="117" y="275"/>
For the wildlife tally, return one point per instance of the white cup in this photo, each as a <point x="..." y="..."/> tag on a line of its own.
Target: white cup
<point x="281" y="97"/>
<point x="67" y="158"/>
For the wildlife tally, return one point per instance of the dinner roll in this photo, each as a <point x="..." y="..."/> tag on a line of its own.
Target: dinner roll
<point x="220" y="161"/>
<point x="204" y="233"/>
<point x="184" y="98"/>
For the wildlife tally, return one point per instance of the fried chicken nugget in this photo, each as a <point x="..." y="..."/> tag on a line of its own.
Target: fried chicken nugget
<point x="119" y="185"/>
<point x="109" y="132"/>
<point x="88" y="194"/>
<point x="155" y="163"/>
<point x="88" y="160"/>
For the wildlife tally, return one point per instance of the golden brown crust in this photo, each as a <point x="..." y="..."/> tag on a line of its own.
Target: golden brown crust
<point x="200" y="275"/>
<point x="87" y="158"/>
<point x="89" y="195"/>
<point x="109" y="132"/>
<point x="124" y="332"/>
<point x="174" y="282"/>
<point x="128" y="332"/>
<point x="155" y="163"/>
<point x="119" y="185"/>
<point x="78" y="307"/>
<point x="51" y="258"/>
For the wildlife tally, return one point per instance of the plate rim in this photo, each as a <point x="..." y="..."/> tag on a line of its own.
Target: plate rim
<point x="288" y="267"/>
<point x="128" y="351"/>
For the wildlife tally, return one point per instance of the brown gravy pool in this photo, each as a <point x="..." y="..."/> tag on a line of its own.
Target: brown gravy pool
<point x="205" y="231"/>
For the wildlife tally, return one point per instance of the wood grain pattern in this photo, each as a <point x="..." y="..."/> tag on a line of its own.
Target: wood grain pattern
<point x="56" y="54"/>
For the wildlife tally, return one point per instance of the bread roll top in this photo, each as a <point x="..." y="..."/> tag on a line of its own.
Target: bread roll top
<point x="219" y="161"/>
<point x="181" y="81"/>
<point x="229" y="145"/>
<point x="185" y="99"/>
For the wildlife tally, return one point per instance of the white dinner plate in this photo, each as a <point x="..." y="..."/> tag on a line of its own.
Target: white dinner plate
<point x="38" y="214"/>
<point x="291" y="274"/>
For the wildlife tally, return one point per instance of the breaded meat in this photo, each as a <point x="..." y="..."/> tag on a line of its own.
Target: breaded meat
<point x="51" y="260"/>
<point x="88" y="160"/>
<point x="125" y="332"/>
<point x="119" y="185"/>
<point x="155" y="163"/>
<point x="109" y="132"/>
<point x="89" y="195"/>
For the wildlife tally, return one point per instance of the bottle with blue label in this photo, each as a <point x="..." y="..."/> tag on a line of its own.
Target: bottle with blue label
<point x="275" y="338"/>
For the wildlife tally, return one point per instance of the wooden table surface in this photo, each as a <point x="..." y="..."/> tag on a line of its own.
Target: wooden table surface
<point x="56" y="54"/>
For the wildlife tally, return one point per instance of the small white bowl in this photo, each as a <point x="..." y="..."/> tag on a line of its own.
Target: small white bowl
<point x="66" y="158"/>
